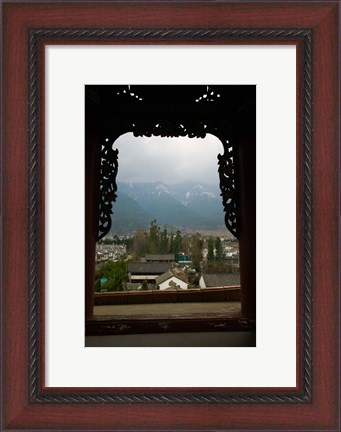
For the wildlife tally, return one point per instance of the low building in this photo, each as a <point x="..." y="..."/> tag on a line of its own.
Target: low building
<point x="184" y="259"/>
<point x="103" y="255"/>
<point x="161" y="257"/>
<point x="149" y="271"/>
<point x="99" y="257"/>
<point x="169" y="280"/>
<point x="109" y="252"/>
<point x="219" y="280"/>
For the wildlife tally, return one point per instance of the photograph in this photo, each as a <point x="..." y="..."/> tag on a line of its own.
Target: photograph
<point x="170" y="172"/>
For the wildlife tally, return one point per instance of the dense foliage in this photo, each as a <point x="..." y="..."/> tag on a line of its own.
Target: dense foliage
<point x="116" y="274"/>
<point x="159" y="240"/>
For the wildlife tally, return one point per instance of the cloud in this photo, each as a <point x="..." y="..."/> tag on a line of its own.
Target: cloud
<point x="169" y="160"/>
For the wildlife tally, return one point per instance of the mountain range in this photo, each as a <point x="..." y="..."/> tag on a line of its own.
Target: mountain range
<point x="182" y="206"/>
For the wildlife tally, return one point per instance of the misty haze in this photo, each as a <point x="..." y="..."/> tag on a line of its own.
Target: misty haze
<point x="172" y="180"/>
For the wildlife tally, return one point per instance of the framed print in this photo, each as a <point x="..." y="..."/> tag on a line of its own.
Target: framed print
<point x="136" y="196"/>
<point x="68" y="69"/>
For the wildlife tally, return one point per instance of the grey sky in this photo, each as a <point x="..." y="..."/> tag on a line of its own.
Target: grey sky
<point x="169" y="160"/>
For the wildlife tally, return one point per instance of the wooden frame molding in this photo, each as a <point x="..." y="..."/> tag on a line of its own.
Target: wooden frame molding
<point x="313" y="404"/>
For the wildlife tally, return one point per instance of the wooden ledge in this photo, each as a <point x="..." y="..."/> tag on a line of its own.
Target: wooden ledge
<point x="108" y="325"/>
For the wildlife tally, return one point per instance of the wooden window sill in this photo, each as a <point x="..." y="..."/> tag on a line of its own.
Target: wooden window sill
<point x="103" y="325"/>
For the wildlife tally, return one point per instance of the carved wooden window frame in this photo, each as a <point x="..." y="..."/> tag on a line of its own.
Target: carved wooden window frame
<point x="174" y="129"/>
<point x="108" y="157"/>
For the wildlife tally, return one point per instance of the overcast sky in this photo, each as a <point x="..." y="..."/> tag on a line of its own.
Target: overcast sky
<point x="169" y="160"/>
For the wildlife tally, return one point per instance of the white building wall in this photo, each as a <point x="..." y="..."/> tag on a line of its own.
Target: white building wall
<point x="202" y="282"/>
<point x="176" y="280"/>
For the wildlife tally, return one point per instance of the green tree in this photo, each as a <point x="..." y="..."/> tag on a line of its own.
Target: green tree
<point x="144" y="285"/>
<point x="210" y="252"/>
<point x="186" y="244"/>
<point x="116" y="240"/>
<point x="140" y="242"/>
<point x="154" y="238"/>
<point x="218" y="249"/>
<point x="196" y="250"/>
<point x="176" y="243"/>
<point x="164" y="246"/>
<point x="116" y="273"/>
<point x="129" y="244"/>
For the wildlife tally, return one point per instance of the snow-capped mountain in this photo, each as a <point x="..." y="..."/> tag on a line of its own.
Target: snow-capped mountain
<point x="183" y="205"/>
<point x="161" y="188"/>
<point x="201" y="192"/>
<point x="145" y="193"/>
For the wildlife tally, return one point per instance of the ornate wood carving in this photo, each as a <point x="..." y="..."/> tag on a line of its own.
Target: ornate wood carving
<point x="170" y="128"/>
<point x="165" y="128"/>
<point x="108" y="187"/>
<point x="228" y="187"/>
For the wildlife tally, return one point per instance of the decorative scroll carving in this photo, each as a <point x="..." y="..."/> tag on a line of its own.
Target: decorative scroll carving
<point x="169" y="128"/>
<point x="108" y="186"/>
<point x="228" y="187"/>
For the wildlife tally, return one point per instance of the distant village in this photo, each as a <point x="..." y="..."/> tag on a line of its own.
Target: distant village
<point x="155" y="259"/>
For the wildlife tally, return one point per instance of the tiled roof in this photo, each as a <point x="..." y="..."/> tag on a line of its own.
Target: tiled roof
<point x="159" y="257"/>
<point x="168" y="275"/>
<point x="180" y="275"/>
<point x="163" y="277"/>
<point x="148" y="267"/>
<point x="223" y="279"/>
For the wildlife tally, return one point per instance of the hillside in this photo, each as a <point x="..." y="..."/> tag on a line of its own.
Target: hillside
<point x="184" y="206"/>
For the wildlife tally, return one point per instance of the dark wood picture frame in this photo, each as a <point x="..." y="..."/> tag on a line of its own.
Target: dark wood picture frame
<point x="27" y="403"/>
